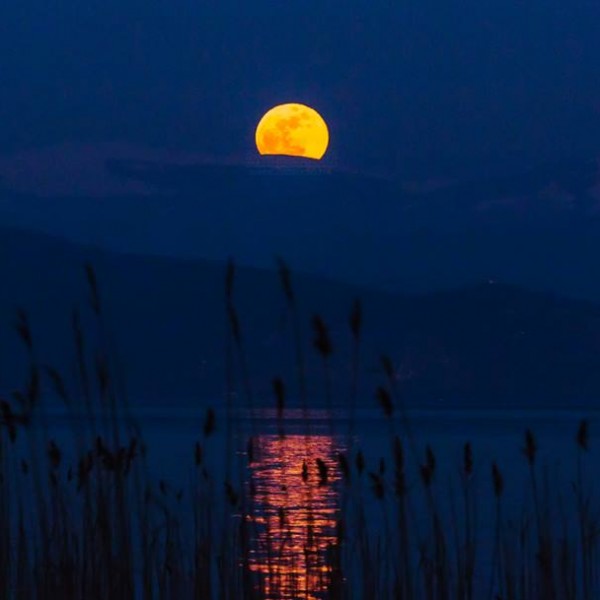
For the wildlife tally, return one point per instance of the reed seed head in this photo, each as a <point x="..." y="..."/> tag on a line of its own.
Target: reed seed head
<point x="344" y="467"/>
<point x="209" y="422"/>
<point x="430" y="459"/>
<point x="9" y="420"/>
<point x="385" y="401"/>
<point x="58" y="384"/>
<point x="360" y="462"/>
<point x="93" y="287"/>
<point x="583" y="435"/>
<point x="426" y="475"/>
<point x="102" y="373"/>
<point x="231" y="494"/>
<point x="198" y="454"/>
<point x="468" y="459"/>
<point x="304" y="471"/>
<point x="530" y="448"/>
<point x="322" y="341"/>
<point x="497" y="480"/>
<point x="54" y="454"/>
<point x="340" y="530"/>
<point x="323" y="472"/>
<point x="377" y="485"/>
<point x="23" y="329"/>
<point x="250" y="450"/>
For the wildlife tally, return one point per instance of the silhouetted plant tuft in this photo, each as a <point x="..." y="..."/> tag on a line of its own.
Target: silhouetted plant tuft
<point x="385" y="401"/>
<point x="323" y="470"/>
<point x="58" y="384"/>
<point x="209" y="422"/>
<point x="426" y="475"/>
<point x="54" y="454"/>
<point x="530" y="448"/>
<point x="377" y="485"/>
<point x="497" y="481"/>
<point x="430" y="459"/>
<point x="23" y="328"/>
<point x="232" y="495"/>
<point x="9" y="420"/>
<point x="321" y="342"/>
<point x="583" y="435"/>
<point x="250" y="450"/>
<point x="93" y="287"/>
<point x="344" y="467"/>
<point x="234" y="324"/>
<point x="279" y="391"/>
<point x="198" y="454"/>
<point x="360" y="462"/>
<point x="468" y="459"/>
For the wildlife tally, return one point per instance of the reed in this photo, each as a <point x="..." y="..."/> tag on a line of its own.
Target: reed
<point x="85" y="518"/>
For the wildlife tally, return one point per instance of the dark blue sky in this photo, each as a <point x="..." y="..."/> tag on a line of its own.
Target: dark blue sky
<point x="415" y="87"/>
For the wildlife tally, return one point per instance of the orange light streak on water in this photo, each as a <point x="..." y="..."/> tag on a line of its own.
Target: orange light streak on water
<point x="294" y="520"/>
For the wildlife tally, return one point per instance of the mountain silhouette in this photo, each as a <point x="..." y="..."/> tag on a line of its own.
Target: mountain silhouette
<point x="485" y="345"/>
<point x="539" y="229"/>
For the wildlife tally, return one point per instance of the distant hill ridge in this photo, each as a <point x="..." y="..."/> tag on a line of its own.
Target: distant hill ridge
<point x="484" y="345"/>
<point x="539" y="229"/>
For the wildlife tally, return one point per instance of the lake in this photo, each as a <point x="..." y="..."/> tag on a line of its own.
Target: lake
<point x="297" y="492"/>
<point x="290" y="473"/>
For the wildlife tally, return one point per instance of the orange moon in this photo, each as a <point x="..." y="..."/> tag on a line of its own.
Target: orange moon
<point x="292" y="130"/>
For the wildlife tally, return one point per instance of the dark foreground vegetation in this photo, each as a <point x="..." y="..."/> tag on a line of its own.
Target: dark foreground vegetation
<point x="85" y="519"/>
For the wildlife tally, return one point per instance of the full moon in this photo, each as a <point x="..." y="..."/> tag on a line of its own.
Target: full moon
<point x="293" y="130"/>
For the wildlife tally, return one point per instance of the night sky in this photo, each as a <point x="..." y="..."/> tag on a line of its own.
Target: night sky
<point x="411" y="89"/>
